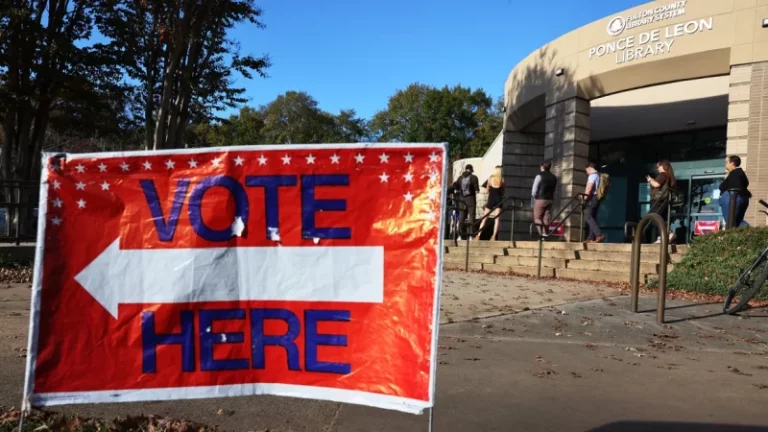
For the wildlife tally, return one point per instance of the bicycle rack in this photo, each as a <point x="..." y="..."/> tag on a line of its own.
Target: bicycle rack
<point x="634" y="275"/>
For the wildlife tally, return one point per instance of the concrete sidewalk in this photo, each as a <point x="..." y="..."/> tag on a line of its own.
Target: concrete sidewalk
<point x="583" y="366"/>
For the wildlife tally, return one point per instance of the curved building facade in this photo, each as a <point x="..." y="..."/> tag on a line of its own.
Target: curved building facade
<point x="681" y="80"/>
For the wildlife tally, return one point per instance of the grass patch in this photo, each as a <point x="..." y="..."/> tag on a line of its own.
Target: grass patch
<point x="714" y="261"/>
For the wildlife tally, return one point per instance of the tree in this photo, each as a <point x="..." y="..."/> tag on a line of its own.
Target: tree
<point x="48" y="75"/>
<point x="179" y="56"/>
<point x="464" y="118"/>
<point x="295" y="118"/>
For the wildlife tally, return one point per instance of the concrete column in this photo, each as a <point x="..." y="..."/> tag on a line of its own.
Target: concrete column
<point x="566" y="144"/>
<point x="522" y="156"/>
<point x="748" y="130"/>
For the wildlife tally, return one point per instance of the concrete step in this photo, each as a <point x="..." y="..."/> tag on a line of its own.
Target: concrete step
<point x="459" y="258"/>
<point x="624" y="257"/>
<point x="572" y="246"/>
<point x="560" y="254"/>
<point x="452" y="265"/>
<point x="476" y="250"/>
<point x="627" y="247"/>
<point x="530" y="262"/>
<point x="616" y="267"/>
<point x="526" y="271"/>
<point x="599" y="276"/>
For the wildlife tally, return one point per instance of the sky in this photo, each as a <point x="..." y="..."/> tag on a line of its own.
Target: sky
<point x="357" y="53"/>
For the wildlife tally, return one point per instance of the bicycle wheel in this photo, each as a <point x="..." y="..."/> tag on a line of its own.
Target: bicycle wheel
<point x="746" y="287"/>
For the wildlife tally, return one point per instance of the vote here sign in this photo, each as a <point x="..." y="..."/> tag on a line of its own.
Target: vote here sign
<point x="306" y="271"/>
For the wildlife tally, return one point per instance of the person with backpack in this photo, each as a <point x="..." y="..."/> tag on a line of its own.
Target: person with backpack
<point x="661" y="192"/>
<point x="543" y="194"/>
<point x="468" y="185"/>
<point x="597" y="187"/>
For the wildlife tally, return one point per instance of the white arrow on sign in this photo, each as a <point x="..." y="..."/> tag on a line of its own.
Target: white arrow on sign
<point x="313" y="273"/>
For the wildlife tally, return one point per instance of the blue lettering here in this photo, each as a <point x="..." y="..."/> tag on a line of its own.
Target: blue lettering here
<point x="313" y="339"/>
<point x="208" y="339"/>
<point x="310" y="205"/>
<point x="271" y="203"/>
<point x="165" y="230"/>
<point x="260" y="340"/>
<point x="196" y="203"/>
<point x="150" y="340"/>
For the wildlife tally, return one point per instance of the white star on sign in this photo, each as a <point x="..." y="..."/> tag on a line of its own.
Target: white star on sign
<point x="408" y="178"/>
<point x="433" y="157"/>
<point x="359" y="158"/>
<point x="432" y="195"/>
<point x="80" y="168"/>
<point x="408" y="196"/>
<point x="80" y="186"/>
<point x="384" y="177"/>
<point x="81" y="203"/>
<point x="409" y="157"/>
<point x="102" y="167"/>
<point x="216" y="162"/>
<point x="239" y="161"/>
<point x="431" y="215"/>
<point x="124" y="166"/>
<point x="56" y="184"/>
<point x="311" y="159"/>
<point x="170" y="164"/>
<point x="105" y="186"/>
<point x="262" y="160"/>
<point x="335" y="159"/>
<point x="56" y="220"/>
<point x="147" y="165"/>
<point x="57" y="202"/>
<point x="384" y="158"/>
<point x="286" y="160"/>
<point x="192" y="163"/>
<point x="433" y="176"/>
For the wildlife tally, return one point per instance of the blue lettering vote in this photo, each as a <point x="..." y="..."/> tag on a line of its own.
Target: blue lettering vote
<point x="259" y="340"/>
<point x="166" y="227"/>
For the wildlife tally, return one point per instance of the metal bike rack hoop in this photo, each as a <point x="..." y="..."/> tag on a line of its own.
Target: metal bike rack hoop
<point x="663" y="260"/>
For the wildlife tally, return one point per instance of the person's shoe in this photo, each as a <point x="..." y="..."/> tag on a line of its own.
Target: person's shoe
<point x="658" y="240"/>
<point x="672" y="237"/>
<point x="600" y="238"/>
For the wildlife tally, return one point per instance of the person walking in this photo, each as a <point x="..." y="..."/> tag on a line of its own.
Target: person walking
<point x="592" y="204"/>
<point x="735" y="178"/>
<point x="468" y="186"/>
<point x="661" y="192"/>
<point x="542" y="194"/>
<point x="495" y="188"/>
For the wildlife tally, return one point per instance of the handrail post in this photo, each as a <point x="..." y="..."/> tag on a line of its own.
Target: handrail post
<point x="512" y="224"/>
<point x="634" y="276"/>
<point x="466" y="254"/>
<point x="541" y="244"/>
<point x="731" y="209"/>
<point x="581" y="231"/>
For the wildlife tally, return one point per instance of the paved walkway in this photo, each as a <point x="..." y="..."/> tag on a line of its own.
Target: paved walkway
<point x="588" y="365"/>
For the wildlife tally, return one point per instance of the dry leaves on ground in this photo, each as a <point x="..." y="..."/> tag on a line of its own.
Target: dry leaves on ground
<point x="40" y="420"/>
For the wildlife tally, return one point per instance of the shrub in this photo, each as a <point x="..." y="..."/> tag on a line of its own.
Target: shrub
<point x="714" y="261"/>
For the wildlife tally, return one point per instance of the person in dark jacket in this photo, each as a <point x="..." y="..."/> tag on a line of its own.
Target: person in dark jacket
<point x="542" y="194"/>
<point x="735" y="178"/>
<point x="467" y="187"/>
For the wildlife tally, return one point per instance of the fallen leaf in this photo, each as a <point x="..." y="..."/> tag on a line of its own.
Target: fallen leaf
<point x="575" y="375"/>
<point x="472" y="359"/>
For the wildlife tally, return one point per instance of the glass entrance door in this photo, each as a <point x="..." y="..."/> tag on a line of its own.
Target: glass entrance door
<point x="703" y="197"/>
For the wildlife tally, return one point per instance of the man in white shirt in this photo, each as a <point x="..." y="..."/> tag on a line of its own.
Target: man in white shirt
<point x="593" y="204"/>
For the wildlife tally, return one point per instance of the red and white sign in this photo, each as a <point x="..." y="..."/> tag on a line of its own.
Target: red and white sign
<point x="557" y="228"/>
<point x="305" y="271"/>
<point x="706" y="227"/>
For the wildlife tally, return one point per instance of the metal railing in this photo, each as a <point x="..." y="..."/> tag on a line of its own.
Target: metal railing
<point x="543" y="231"/>
<point x="634" y="275"/>
<point x="471" y="233"/>
<point x="18" y="211"/>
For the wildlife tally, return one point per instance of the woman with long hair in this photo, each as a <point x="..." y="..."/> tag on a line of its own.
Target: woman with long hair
<point x="495" y="187"/>
<point x="661" y="191"/>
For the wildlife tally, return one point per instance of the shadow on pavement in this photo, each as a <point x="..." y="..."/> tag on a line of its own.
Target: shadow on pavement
<point x="642" y="426"/>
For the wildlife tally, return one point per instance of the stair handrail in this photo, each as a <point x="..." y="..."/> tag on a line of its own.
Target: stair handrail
<point x="544" y="232"/>
<point x="629" y="227"/>
<point x="634" y="275"/>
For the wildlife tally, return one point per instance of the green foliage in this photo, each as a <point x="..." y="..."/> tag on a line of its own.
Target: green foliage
<point x="468" y="120"/>
<point x="714" y="261"/>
